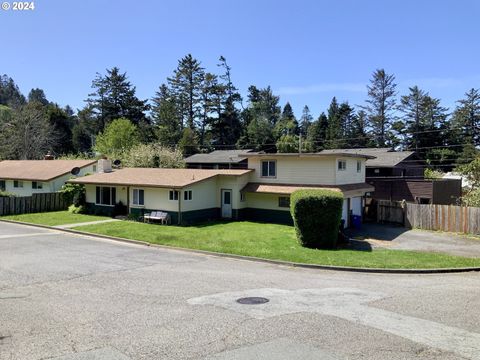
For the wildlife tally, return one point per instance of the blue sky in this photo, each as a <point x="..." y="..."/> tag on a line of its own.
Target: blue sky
<point x="307" y="51"/>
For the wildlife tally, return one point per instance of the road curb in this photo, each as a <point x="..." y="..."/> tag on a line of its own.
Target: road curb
<point x="255" y="259"/>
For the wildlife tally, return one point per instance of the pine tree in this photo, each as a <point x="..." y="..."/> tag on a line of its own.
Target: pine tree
<point x="334" y="132"/>
<point x="10" y="94"/>
<point x="317" y="133"/>
<point x="305" y="121"/>
<point x="166" y="117"/>
<point x="186" y="85"/>
<point x="114" y="97"/>
<point x="380" y="105"/>
<point x="466" y="117"/>
<point x="226" y="128"/>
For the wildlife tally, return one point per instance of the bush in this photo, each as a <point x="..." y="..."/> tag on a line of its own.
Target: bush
<point x="119" y="209"/>
<point x="77" y="209"/>
<point x="73" y="194"/>
<point x="316" y="215"/>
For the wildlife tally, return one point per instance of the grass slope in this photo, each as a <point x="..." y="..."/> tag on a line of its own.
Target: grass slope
<point x="54" y="218"/>
<point x="272" y="241"/>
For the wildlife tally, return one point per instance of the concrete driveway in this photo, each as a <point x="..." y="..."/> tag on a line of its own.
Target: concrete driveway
<point x="68" y="297"/>
<point x="395" y="237"/>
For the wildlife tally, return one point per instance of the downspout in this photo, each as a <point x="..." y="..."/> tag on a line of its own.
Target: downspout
<point x="179" y="207"/>
<point x="128" y="200"/>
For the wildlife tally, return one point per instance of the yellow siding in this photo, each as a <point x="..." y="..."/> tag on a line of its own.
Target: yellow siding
<point x="350" y="174"/>
<point x="90" y="192"/>
<point x="296" y="170"/>
<point x="204" y="196"/>
<point x="264" y="201"/>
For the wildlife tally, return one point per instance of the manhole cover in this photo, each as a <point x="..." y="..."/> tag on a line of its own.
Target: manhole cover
<point x="252" y="300"/>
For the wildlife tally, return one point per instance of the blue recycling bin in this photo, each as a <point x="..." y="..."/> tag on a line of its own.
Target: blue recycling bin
<point x="357" y="221"/>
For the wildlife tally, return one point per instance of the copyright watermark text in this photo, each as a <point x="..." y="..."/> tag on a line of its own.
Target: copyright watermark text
<point x="18" y="5"/>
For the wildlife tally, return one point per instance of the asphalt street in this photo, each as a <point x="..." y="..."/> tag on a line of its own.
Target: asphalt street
<point x="72" y="297"/>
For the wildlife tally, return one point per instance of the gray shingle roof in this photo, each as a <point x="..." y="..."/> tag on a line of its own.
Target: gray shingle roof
<point x="384" y="157"/>
<point x="219" y="157"/>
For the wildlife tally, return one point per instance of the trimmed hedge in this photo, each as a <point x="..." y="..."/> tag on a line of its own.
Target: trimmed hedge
<point x="316" y="215"/>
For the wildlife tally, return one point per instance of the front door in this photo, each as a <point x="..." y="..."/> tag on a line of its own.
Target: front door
<point x="226" y="203"/>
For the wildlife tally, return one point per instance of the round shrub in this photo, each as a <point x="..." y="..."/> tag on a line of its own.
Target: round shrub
<point x="316" y="215"/>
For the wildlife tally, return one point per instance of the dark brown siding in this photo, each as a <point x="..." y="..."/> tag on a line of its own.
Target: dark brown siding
<point x="446" y="191"/>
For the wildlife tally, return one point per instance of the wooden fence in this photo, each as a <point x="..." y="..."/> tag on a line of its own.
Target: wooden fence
<point x="461" y="219"/>
<point x="32" y="204"/>
<point x="451" y="218"/>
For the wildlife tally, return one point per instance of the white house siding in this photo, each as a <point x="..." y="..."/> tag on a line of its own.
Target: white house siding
<point x="91" y="194"/>
<point x="265" y="201"/>
<point x="234" y="183"/>
<point x="356" y="205"/>
<point x="296" y="170"/>
<point x="47" y="187"/>
<point x="350" y="174"/>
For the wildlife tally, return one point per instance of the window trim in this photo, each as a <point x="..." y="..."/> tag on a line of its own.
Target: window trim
<point x="36" y="185"/>
<point x="281" y="199"/>
<point x="359" y="166"/>
<point x="112" y="203"/>
<point x="340" y="161"/>
<point x="3" y="185"/>
<point x="171" y="195"/>
<point x="243" y="196"/>
<point x="138" y="192"/>
<point x="185" y="197"/>
<point x="268" y="168"/>
<point x="16" y="184"/>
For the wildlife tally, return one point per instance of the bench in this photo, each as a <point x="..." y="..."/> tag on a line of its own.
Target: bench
<point x="161" y="216"/>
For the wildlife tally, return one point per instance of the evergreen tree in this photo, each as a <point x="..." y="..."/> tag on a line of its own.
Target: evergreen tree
<point x="62" y="124"/>
<point x="317" y="133"/>
<point x="380" y="105"/>
<point x="466" y="117"/>
<point x="114" y="97"/>
<point x="166" y="117"/>
<point x="357" y="135"/>
<point x="227" y="127"/>
<point x="287" y="125"/>
<point x="10" y="94"/>
<point x="186" y="85"/>
<point x="38" y="95"/>
<point x="334" y="134"/>
<point x="188" y="144"/>
<point x="305" y="121"/>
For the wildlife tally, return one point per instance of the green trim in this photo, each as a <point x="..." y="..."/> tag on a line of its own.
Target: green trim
<point x="194" y="216"/>
<point x="266" y="215"/>
<point x="103" y="210"/>
<point x="142" y="211"/>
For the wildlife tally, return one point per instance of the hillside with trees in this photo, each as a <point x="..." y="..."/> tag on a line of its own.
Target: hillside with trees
<point x="199" y="110"/>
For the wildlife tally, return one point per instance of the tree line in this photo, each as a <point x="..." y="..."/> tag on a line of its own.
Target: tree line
<point x="196" y="110"/>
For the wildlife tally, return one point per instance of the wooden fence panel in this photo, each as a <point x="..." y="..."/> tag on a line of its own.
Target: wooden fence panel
<point x="41" y="202"/>
<point x="449" y="218"/>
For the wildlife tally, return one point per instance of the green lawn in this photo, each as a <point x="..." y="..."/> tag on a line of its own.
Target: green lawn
<point x="272" y="241"/>
<point x="54" y="218"/>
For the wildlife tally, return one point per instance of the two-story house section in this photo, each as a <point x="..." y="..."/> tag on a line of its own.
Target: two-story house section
<point x="275" y="176"/>
<point x="27" y="177"/>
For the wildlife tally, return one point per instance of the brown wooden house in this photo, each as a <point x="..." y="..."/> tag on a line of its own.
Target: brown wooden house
<point x="399" y="175"/>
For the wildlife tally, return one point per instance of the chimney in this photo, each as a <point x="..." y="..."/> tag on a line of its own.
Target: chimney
<point x="104" y="166"/>
<point x="49" y="156"/>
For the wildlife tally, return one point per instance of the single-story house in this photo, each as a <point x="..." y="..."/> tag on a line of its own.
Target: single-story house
<point x="261" y="192"/>
<point x="399" y="175"/>
<point x="219" y="159"/>
<point x="27" y="177"/>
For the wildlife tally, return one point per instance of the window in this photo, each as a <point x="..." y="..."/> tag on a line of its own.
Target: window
<point x="138" y="197"/>
<point x="227" y="200"/>
<point x="94" y="168"/>
<point x="269" y="168"/>
<point x="342" y="165"/>
<point x="17" y="184"/>
<point x="106" y="195"/>
<point x="283" y="201"/>
<point x="173" y="195"/>
<point x="37" y="185"/>
<point x="187" y="195"/>
<point x="2" y="185"/>
<point x="242" y="196"/>
<point x="359" y="166"/>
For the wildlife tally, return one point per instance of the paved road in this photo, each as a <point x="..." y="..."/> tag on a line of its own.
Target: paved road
<point x="69" y="297"/>
<point x="395" y="237"/>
